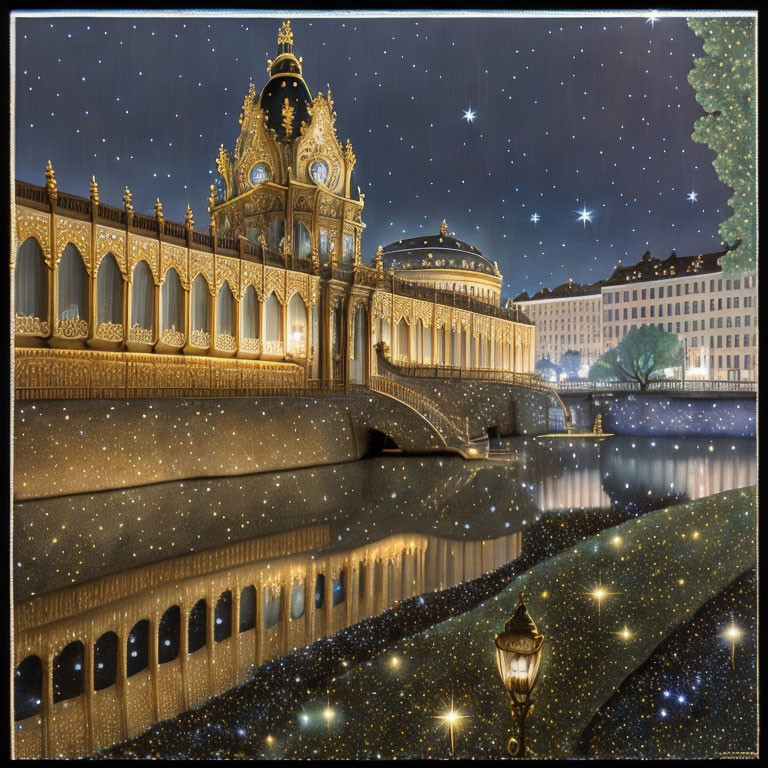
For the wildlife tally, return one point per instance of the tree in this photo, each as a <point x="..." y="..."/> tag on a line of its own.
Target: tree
<point x="571" y="363"/>
<point x="725" y="84"/>
<point x="639" y="356"/>
<point x="545" y="368"/>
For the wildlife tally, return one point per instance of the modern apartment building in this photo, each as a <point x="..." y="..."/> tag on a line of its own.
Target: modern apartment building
<point x="714" y="317"/>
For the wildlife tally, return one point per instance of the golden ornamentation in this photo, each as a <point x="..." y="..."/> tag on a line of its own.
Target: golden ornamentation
<point x="31" y="326"/>
<point x="172" y="337"/>
<point x="76" y="232"/>
<point x="225" y="342"/>
<point x="110" y="241"/>
<point x="159" y="215"/>
<point x="189" y="221"/>
<point x="250" y="345"/>
<point x="443" y="228"/>
<point x="287" y="113"/>
<point x="285" y="35"/>
<point x="423" y="311"/>
<point x="147" y="250"/>
<point x="202" y="263"/>
<point x="273" y="347"/>
<point x="127" y="204"/>
<point x="174" y="256"/>
<point x="224" y="167"/>
<point x="403" y="308"/>
<point x="251" y="275"/>
<point x="228" y="269"/>
<point x="50" y="182"/>
<point x="274" y="283"/>
<point x="72" y="328"/>
<point x="378" y="262"/>
<point x="33" y="224"/>
<point x="109" y="331"/>
<point x="139" y="334"/>
<point x="200" y="338"/>
<point x="349" y="155"/>
<point x="319" y="141"/>
<point x="94" y="192"/>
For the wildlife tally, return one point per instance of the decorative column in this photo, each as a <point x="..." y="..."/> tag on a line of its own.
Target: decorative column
<point x="328" y="603"/>
<point x="259" y="622"/>
<point x="157" y="291"/>
<point x="285" y="616"/>
<point x="53" y="298"/>
<point x="183" y="654"/>
<point x="122" y="680"/>
<point x="210" y="610"/>
<point x="88" y="693"/>
<point x="154" y="641"/>
<point x="236" y="592"/>
<point x="46" y="711"/>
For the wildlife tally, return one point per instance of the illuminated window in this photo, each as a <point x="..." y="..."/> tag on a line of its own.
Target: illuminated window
<point x="319" y="171"/>
<point x="259" y="173"/>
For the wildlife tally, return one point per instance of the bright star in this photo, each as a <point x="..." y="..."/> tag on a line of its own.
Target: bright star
<point x="693" y="196"/>
<point x="585" y="216"/>
<point x="469" y="115"/>
<point x="652" y="19"/>
<point x="535" y="218"/>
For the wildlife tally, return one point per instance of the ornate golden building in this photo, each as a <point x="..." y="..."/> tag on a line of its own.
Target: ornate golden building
<point x="276" y="285"/>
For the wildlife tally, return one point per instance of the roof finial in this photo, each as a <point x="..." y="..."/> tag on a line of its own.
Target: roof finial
<point x="443" y="228"/>
<point x="94" y="191"/>
<point x="285" y="35"/>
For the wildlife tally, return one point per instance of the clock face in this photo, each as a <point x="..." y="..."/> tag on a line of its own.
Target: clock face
<point x="319" y="171"/>
<point x="259" y="173"/>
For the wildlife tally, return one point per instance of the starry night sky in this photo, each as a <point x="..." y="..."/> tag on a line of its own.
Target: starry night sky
<point x="570" y="112"/>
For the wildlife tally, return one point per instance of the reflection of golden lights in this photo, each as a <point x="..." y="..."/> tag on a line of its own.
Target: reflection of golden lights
<point x="695" y="534"/>
<point x="545" y="594"/>
<point x="329" y="714"/>
<point x="395" y="661"/>
<point x="681" y="582"/>
<point x="616" y="541"/>
<point x="270" y="739"/>
<point x="733" y="634"/>
<point x="472" y="451"/>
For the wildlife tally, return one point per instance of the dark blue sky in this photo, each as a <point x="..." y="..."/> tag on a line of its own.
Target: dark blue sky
<point x="570" y="112"/>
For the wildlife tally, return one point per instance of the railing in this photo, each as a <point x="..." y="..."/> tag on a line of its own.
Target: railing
<point x="112" y="214"/>
<point x="422" y="405"/>
<point x="658" y="385"/>
<point x="312" y="388"/>
<point x="72" y="203"/>
<point x="31" y="192"/>
<point x="140" y="221"/>
<point x="530" y="380"/>
<point x="175" y="230"/>
<point x="200" y="238"/>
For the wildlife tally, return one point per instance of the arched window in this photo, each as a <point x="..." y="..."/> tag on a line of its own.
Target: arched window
<point x="297" y="326"/>
<point x="68" y="672"/>
<point x="249" y="315"/>
<point x="138" y="648"/>
<point x="109" y="292"/>
<point x="225" y="311"/>
<point x="222" y="617"/>
<point x="275" y="234"/>
<point x="297" y="600"/>
<point x="348" y="251"/>
<point x="339" y="588"/>
<point x="248" y="608"/>
<point x="169" y="635"/>
<point x="27" y="688"/>
<point x="73" y="290"/>
<point x="31" y="277"/>
<point x="302" y="244"/>
<point x="403" y="340"/>
<point x="273" y="599"/>
<point x="319" y="590"/>
<point x="172" y="303"/>
<point x="324" y="249"/>
<point x="143" y="298"/>
<point x="201" y="305"/>
<point x="196" y="631"/>
<point x="105" y="661"/>
<point x="273" y="319"/>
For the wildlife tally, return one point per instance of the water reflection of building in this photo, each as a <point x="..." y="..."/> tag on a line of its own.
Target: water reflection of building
<point x="277" y="285"/>
<point x="100" y="662"/>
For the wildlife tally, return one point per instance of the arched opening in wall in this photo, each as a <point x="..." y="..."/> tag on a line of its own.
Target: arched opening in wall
<point x="403" y="341"/>
<point x="27" y="688"/>
<point x="297" y="326"/>
<point x="440" y="353"/>
<point x="302" y="244"/>
<point x="348" y="249"/>
<point x="473" y="361"/>
<point x="275" y="235"/>
<point x="338" y="589"/>
<point x="68" y="674"/>
<point x="197" y="630"/>
<point x="273" y="325"/>
<point x="172" y="304"/>
<point x="273" y="605"/>
<point x="358" y="363"/>
<point x="464" y="336"/>
<point x="319" y="590"/>
<point x="426" y="345"/>
<point x="380" y="444"/>
<point x="225" y="311"/>
<point x="105" y="655"/>
<point x="222" y="617"/>
<point x="169" y="635"/>
<point x="418" y="349"/>
<point x="109" y="291"/>
<point x="200" y="311"/>
<point x="72" y="291"/>
<point x="249" y="320"/>
<point x="248" y="608"/>
<point x="31" y="282"/>
<point x="142" y="300"/>
<point x="297" y="600"/>
<point x="138" y="648"/>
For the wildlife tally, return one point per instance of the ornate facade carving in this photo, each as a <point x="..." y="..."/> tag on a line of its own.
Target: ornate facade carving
<point x="109" y="331"/>
<point x="228" y="269"/>
<point x="225" y="342"/>
<point x="174" y="256"/>
<point x="250" y="275"/>
<point x="172" y="337"/>
<point x="79" y="234"/>
<point x="200" y="338"/>
<point x="140" y="248"/>
<point x="37" y="225"/>
<point x="319" y="142"/>
<point x="202" y="263"/>
<point x="110" y="241"/>
<point x="139" y="334"/>
<point x="31" y="326"/>
<point x="72" y="328"/>
<point x="274" y="281"/>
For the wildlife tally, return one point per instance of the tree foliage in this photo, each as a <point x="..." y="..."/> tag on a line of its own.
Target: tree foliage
<point x="639" y="356"/>
<point x="571" y="363"/>
<point x="725" y="84"/>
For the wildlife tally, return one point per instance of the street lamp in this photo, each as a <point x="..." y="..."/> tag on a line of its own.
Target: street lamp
<point x="518" y="655"/>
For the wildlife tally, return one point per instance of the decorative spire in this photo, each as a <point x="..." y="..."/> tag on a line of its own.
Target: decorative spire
<point x="443" y="228"/>
<point x="50" y="182"/>
<point x="212" y="199"/>
<point x="349" y="154"/>
<point x="287" y="112"/>
<point x="94" y="191"/>
<point x="285" y="35"/>
<point x="189" y="222"/>
<point x="378" y="262"/>
<point x="127" y="204"/>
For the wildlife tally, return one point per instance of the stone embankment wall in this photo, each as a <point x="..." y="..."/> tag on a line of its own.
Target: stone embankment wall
<point x="63" y="447"/>
<point x="664" y="415"/>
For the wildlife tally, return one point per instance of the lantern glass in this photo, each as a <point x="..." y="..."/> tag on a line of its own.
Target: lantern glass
<point x="518" y="658"/>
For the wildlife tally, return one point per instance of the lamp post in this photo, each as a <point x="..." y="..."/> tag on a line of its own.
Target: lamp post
<point x="518" y="655"/>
